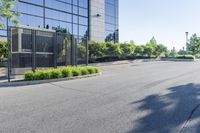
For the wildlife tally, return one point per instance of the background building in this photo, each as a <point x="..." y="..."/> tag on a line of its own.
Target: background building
<point x="77" y="17"/>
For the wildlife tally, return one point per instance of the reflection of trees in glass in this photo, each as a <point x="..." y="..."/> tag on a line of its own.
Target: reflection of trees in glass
<point x="81" y="51"/>
<point x="64" y="38"/>
<point x="112" y="37"/>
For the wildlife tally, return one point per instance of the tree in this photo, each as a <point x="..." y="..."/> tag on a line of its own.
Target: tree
<point x="127" y="49"/>
<point x="153" y="41"/>
<point x="114" y="50"/>
<point x="148" y="50"/>
<point x="173" y="52"/>
<point x="160" y="50"/>
<point x="96" y="49"/>
<point x="194" y="44"/>
<point x="139" y="50"/>
<point x="6" y="13"/>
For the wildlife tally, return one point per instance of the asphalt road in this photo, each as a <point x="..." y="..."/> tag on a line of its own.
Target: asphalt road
<point x="156" y="97"/>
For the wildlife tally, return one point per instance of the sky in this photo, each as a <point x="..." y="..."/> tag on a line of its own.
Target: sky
<point x="166" y="20"/>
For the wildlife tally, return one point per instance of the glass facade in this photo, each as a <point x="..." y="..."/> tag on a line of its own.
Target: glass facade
<point x="111" y="21"/>
<point x="70" y="16"/>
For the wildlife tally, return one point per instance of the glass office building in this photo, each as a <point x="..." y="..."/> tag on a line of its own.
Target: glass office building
<point x="77" y="17"/>
<point x="111" y="20"/>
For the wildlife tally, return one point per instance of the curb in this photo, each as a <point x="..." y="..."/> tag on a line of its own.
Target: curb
<point x="141" y="61"/>
<point x="25" y="83"/>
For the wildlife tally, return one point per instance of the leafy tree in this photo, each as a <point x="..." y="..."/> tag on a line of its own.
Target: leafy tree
<point x="5" y="12"/>
<point x="160" y="50"/>
<point x="173" y="52"/>
<point x="182" y="52"/>
<point x="148" y="50"/>
<point x="153" y="41"/>
<point x="114" y="50"/>
<point x="194" y="44"/>
<point x="3" y="49"/>
<point x="81" y="51"/>
<point x="127" y="49"/>
<point x="96" y="49"/>
<point x="139" y="50"/>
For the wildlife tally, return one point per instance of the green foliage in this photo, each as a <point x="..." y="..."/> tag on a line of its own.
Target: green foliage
<point x="127" y="49"/>
<point x="96" y="49"/>
<point x="64" y="72"/>
<point x="29" y="76"/>
<point x="114" y="50"/>
<point x="3" y="49"/>
<point x="5" y="12"/>
<point x="197" y="56"/>
<point x="76" y="72"/>
<point x="84" y="71"/>
<point x="91" y="70"/>
<point x="185" y="57"/>
<point x="139" y="50"/>
<point x="153" y="41"/>
<point x="160" y="50"/>
<point x="173" y="53"/>
<point x="194" y="44"/>
<point x="81" y="51"/>
<point x="148" y="50"/>
<point x="56" y="73"/>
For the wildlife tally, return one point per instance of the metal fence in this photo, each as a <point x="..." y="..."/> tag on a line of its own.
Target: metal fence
<point x="38" y="48"/>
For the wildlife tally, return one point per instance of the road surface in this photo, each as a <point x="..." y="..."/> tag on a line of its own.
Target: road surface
<point x="153" y="97"/>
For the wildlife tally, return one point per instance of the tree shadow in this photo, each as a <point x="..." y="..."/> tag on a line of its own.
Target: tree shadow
<point x="167" y="113"/>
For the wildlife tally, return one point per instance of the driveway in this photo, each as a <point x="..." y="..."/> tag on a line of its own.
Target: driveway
<point x="154" y="97"/>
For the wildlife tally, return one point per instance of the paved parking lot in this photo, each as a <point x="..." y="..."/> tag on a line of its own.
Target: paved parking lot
<point x="154" y="97"/>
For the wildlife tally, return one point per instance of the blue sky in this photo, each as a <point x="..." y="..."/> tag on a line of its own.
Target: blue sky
<point x="167" y="20"/>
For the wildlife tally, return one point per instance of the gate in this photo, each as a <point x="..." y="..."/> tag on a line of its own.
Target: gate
<point x="32" y="48"/>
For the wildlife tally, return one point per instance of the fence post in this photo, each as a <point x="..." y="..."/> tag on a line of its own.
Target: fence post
<point x="55" y="50"/>
<point x="87" y="52"/>
<point x="72" y="50"/>
<point x="33" y="40"/>
<point x="75" y="50"/>
<point x="9" y="41"/>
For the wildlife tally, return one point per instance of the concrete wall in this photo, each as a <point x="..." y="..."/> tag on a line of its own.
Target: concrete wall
<point x="97" y="23"/>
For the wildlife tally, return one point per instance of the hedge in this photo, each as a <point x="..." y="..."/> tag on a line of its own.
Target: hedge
<point x="55" y="73"/>
<point x="185" y="57"/>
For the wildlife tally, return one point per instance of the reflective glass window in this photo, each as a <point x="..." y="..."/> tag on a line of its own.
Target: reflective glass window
<point x="31" y="20"/>
<point x="82" y="30"/>
<point x="83" y="12"/>
<point x="83" y="20"/>
<point x="75" y="29"/>
<point x="58" y="5"/>
<point x="58" y="15"/>
<point x="38" y="2"/>
<point x="83" y="3"/>
<point x="28" y="9"/>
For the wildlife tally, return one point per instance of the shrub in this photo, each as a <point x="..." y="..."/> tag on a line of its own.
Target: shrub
<point x="185" y="57"/>
<point x="76" y="72"/>
<point x="91" y="70"/>
<point x="127" y="49"/>
<point x="55" y="73"/>
<point x="29" y="76"/>
<point x="197" y="56"/>
<point x="60" y="73"/>
<point x="84" y="71"/>
<point x="66" y="72"/>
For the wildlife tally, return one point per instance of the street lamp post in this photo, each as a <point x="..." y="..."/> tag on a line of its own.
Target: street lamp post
<point x="186" y="33"/>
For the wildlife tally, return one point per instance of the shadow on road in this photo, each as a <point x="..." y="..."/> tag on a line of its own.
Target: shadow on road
<point x="167" y="112"/>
